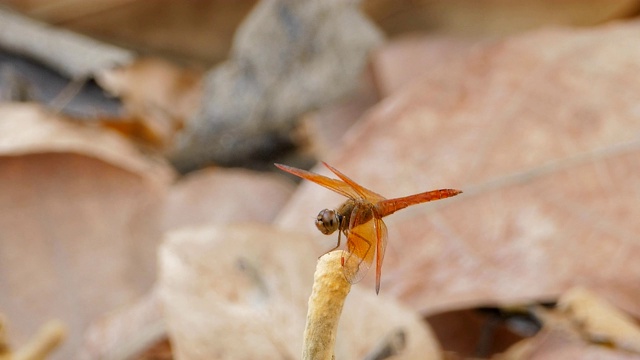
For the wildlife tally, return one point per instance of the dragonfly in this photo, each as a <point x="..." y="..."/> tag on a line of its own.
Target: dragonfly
<point x="359" y="219"/>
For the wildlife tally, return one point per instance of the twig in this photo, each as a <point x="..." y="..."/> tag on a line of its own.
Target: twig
<point x="5" y="351"/>
<point x="64" y="97"/>
<point x="71" y="54"/>
<point x="43" y="343"/>
<point x="330" y="289"/>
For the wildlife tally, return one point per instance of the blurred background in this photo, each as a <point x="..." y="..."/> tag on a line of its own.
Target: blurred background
<point x="142" y="216"/>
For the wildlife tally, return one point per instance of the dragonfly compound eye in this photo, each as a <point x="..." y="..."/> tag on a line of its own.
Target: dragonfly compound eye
<point x="327" y="221"/>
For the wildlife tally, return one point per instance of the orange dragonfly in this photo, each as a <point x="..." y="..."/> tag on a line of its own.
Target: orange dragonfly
<point x="360" y="219"/>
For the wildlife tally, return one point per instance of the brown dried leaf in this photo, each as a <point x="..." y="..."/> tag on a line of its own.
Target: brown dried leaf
<point x="323" y="129"/>
<point x="159" y="98"/>
<point x="210" y="196"/>
<point x="600" y="321"/>
<point x="492" y="17"/>
<point x="403" y="61"/>
<point x="583" y="326"/>
<point x="221" y="196"/>
<point x="558" y="344"/>
<point x="540" y="132"/>
<point x="79" y="225"/>
<point x="126" y="332"/>
<point x="28" y="129"/>
<point x="224" y="287"/>
<point x="199" y="31"/>
<point x="470" y="333"/>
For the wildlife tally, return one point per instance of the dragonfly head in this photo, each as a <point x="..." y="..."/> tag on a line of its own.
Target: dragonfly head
<point x="328" y="221"/>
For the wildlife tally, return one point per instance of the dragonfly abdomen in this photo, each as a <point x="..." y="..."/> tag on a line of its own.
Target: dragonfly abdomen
<point x="387" y="207"/>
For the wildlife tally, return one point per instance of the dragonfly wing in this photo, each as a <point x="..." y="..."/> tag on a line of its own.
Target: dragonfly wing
<point x="338" y="186"/>
<point x="362" y="191"/>
<point x="361" y="244"/>
<point x="381" y="247"/>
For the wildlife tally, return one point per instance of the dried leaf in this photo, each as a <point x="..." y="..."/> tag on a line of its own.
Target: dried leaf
<point x="323" y="129"/>
<point x="600" y="321"/>
<point x="126" y="332"/>
<point x="221" y="196"/>
<point x="470" y="333"/>
<point x="555" y="344"/>
<point x="80" y="221"/>
<point x="565" y="337"/>
<point x="403" y="61"/>
<point x="198" y="31"/>
<point x="29" y="129"/>
<point x="539" y="131"/>
<point x="492" y="18"/>
<point x="159" y="98"/>
<point x="224" y="287"/>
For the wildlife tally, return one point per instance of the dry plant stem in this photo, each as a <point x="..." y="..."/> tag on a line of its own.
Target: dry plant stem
<point x="330" y="289"/>
<point x="71" y="54"/>
<point x="40" y="346"/>
<point x="4" y="342"/>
